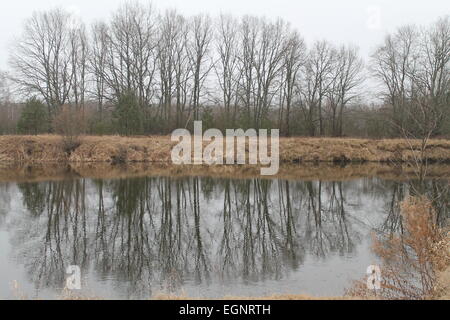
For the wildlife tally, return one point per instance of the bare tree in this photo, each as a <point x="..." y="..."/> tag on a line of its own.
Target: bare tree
<point x="170" y="42"/>
<point x="432" y="81"/>
<point x="41" y="59"/>
<point x="183" y="71"/>
<point x="413" y="66"/>
<point x="131" y="59"/>
<point x="346" y="77"/>
<point x="294" y="59"/>
<point x="261" y="62"/>
<point x="249" y="33"/>
<point x="79" y="51"/>
<point x="199" y="41"/>
<point x="394" y="65"/>
<point x="98" y="64"/>
<point x="268" y="65"/>
<point x="227" y="67"/>
<point x="316" y="84"/>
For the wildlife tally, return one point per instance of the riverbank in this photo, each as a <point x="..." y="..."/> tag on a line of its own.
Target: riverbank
<point x="36" y="172"/>
<point x="116" y="149"/>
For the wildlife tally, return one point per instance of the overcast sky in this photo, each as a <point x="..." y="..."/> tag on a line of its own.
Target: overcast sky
<point x="360" y="22"/>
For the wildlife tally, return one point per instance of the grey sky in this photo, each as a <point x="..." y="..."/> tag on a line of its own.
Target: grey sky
<point x="343" y="21"/>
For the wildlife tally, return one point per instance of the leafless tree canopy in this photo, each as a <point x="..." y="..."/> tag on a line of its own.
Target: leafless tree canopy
<point x="48" y="59"/>
<point x="413" y="66"/>
<point x="230" y="71"/>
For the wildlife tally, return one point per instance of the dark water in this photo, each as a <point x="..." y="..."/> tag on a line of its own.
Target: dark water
<point x="200" y="237"/>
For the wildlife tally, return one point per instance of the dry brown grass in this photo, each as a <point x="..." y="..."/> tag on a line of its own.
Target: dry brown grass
<point x="415" y="264"/>
<point x="48" y="148"/>
<point x="354" y="150"/>
<point x="443" y="280"/>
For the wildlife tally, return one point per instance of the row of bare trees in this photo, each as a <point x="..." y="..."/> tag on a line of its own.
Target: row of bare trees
<point x="176" y="67"/>
<point x="413" y="65"/>
<point x="169" y="70"/>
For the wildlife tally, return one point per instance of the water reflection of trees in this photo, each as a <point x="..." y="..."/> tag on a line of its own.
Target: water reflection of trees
<point x="436" y="190"/>
<point x="161" y="232"/>
<point x="5" y="200"/>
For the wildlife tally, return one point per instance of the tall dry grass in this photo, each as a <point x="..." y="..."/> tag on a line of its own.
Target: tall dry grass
<point x="46" y="148"/>
<point x="415" y="263"/>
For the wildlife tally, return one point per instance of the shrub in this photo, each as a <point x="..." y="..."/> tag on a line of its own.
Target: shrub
<point x="70" y="123"/>
<point x="121" y="156"/>
<point x="411" y="261"/>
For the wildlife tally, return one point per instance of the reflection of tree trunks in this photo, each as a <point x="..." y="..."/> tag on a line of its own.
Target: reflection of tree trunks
<point x="338" y="210"/>
<point x="143" y="230"/>
<point x="393" y="220"/>
<point x="248" y="246"/>
<point x="79" y="214"/>
<point x="200" y="259"/>
<point x="329" y="231"/>
<point x="315" y="207"/>
<point x="343" y="221"/>
<point x="226" y="243"/>
<point x="440" y="195"/>
<point x="270" y="240"/>
<point x="289" y="230"/>
<point x="101" y="248"/>
<point x="166" y="227"/>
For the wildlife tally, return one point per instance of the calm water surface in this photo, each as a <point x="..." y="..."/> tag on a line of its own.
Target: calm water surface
<point x="201" y="237"/>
